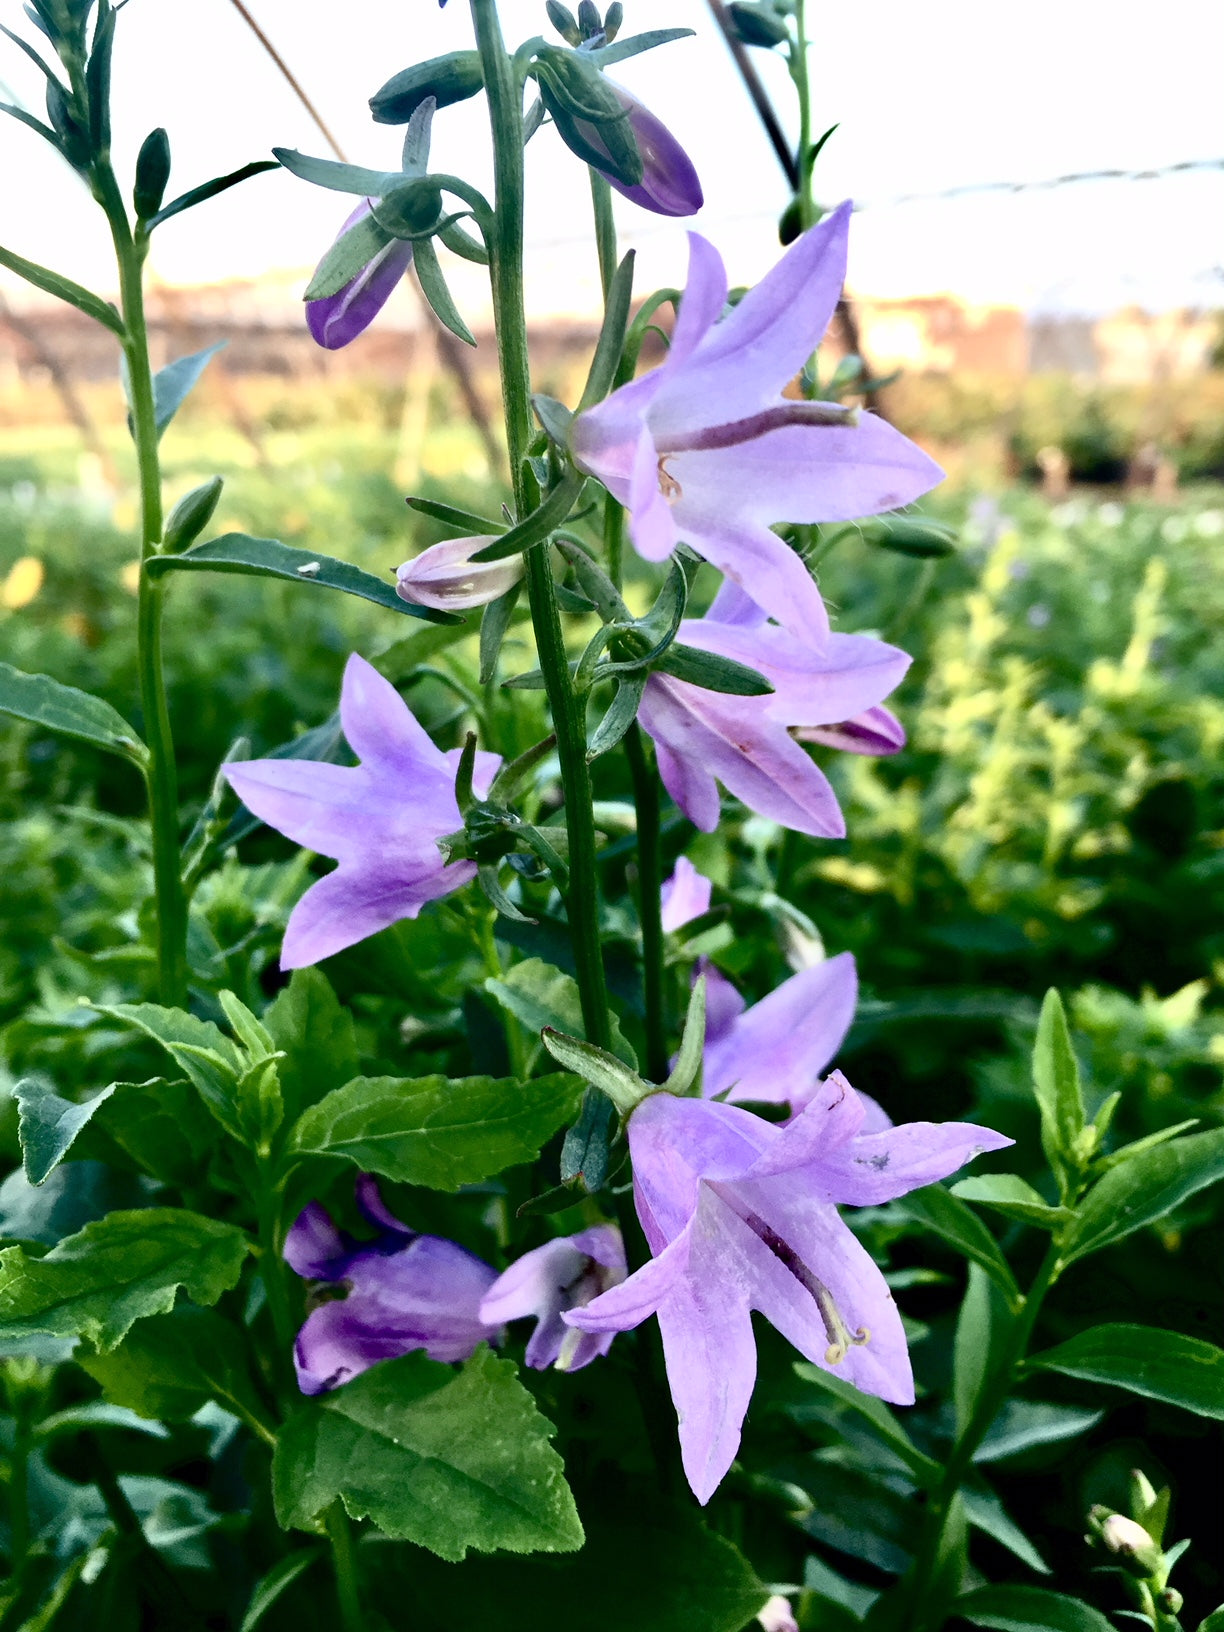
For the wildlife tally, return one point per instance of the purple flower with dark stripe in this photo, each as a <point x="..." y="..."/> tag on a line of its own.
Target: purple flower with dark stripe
<point x="741" y="1214"/>
<point x="337" y="319"/>
<point x="404" y="1291"/>
<point x="566" y="1273"/>
<point x="706" y="450"/>
<point x="669" y="184"/>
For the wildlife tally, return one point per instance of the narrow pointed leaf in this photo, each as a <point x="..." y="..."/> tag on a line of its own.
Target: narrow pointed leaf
<point x="1144" y="1190"/>
<point x="267" y="1590"/>
<point x="633" y="44"/>
<point x="1160" y="1365"/>
<point x="462" y="521"/>
<point x="46" y="702"/>
<point x="538" y="524"/>
<point x="986" y="1512"/>
<point x="210" y="189"/>
<point x="172" y="383"/>
<point x="611" y="340"/>
<point x="53" y="283"/>
<point x="882" y="1418"/>
<point x="692" y="1043"/>
<point x="940" y="1211"/>
<point x="1056" y="1083"/>
<point x="1014" y="1197"/>
<point x="1029" y="1609"/>
<point x="269" y="558"/>
<point x="433" y="287"/>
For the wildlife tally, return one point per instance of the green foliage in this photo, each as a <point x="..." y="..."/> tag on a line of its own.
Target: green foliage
<point x="46" y="702"/>
<point x="451" y="1461"/>
<point x="1145" y="1188"/>
<point x="1029" y="1609"/>
<point x="170" y="1366"/>
<point x="1159" y="1365"/>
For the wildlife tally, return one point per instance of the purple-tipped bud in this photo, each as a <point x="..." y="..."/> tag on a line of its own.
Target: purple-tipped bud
<point x="669" y="184"/>
<point x="875" y="731"/>
<point x="337" y="319"/>
<point x="445" y="576"/>
<point x="778" y="1616"/>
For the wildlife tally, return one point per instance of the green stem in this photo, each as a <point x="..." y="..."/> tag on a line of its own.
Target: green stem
<point x="917" y="1587"/>
<point x="605" y="230"/>
<point x="650" y="907"/>
<point x="799" y="73"/>
<point x="505" y="99"/>
<point x="270" y="1199"/>
<point x="161" y="777"/>
<point x="344" y="1562"/>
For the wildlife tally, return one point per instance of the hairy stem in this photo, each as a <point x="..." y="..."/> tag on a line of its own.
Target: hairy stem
<point x="650" y="909"/>
<point x="504" y="94"/>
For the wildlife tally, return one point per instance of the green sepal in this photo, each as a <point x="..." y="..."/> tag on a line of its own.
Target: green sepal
<point x="537" y="526"/>
<point x="711" y="671"/>
<point x="448" y="79"/>
<point x="635" y="44"/>
<point x="434" y="288"/>
<point x="611" y="342"/>
<point x="575" y="94"/>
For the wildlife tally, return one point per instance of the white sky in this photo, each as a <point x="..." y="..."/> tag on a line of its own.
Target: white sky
<point x="928" y="96"/>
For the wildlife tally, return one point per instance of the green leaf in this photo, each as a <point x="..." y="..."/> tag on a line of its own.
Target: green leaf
<point x="170" y="1365"/>
<point x="282" y="1575"/>
<point x="207" y="1056"/>
<point x="96" y="1414"/>
<point x="537" y="526"/>
<point x="941" y="1212"/>
<point x="1056" y="1083"/>
<point x="317" y="1037"/>
<point x="47" y="1124"/>
<point x="632" y="44"/>
<point x="692" y="1042"/>
<point x="495" y="621"/>
<point x="1029" y="1609"/>
<point x="882" y="1420"/>
<point x="172" y="383"/>
<point x="1160" y="1365"/>
<point x="433" y="287"/>
<point x="971" y="1350"/>
<point x="52" y="283"/>
<point x="1213" y="1622"/>
<point x="611" y="341"/>
<point x="1128" y="1153"/>
<point x="45" y="702"/>
<point x="161" y="1127"/>
<point x="986" y="1512"/>
<point x="121" y="1269"/>
<point x="436" y="1131"/>
<point x="209" y="189"/>
<point x="450" y="1460"/>
<point x="538" y="994"/>
<point x="464" y="522"/>
<point x="341" y="178"/>
<point x="1014" y="1197"/>
<point x="1023" y="1425"/>
<point x="1144" y="1190"/>
<point x="269" y="558"/>
<point x="712" y="672"/>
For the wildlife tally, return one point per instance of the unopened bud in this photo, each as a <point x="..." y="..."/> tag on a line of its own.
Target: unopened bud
<point x="777" y="1615"/>
<point x="613" y="18"/>
<point x="1127" y="1540"/>
<point x="152" y="173"/>
<point x="589" y="21"/>
<point x="1170" y="1600"/>
<point x="446" y="578"/>
<point x="564" y="21"/>
<point x="452" y="78"/>
<point x="191" y="515"/>
<point x="757" y="24"/>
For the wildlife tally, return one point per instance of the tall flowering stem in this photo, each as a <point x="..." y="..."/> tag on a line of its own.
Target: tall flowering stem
<point x="650" y="885"/>
<point x="161" y="775"/>
<point x="505" y="97"/>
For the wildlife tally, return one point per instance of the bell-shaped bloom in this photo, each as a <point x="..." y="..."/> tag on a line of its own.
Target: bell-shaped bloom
<point x="669" y="184"/>
<point x="876" y="731"/>
<point x="563" y="1274"/>
<point x="741" y="1214"/>
<point x="777" y="1050"/>
<point x="706" y="449"/>
<point x="336" y="319"/>
<point x="705" y="737"/>
<point x="445" y="576"/>
<point x="684" y="896"/>
<point x="380" y="820"/>
<point x="404" y="1291"/>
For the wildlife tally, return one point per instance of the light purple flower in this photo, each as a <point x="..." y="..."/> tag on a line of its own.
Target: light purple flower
<point x="741" y="1214"/>
<point x="405" y="1291"/>
<point x="705" y="737"/>
<point x="685" y="895"/>
<point x="336" y="319"/>
<point x="446" y="577"/>
<point x="777" y="1050"/>
<point x="563" y="1274"/>
<point x="669" y="184"/>
<point x="777" y="1615"/>
<point x="707" y="450"/>
<point x="876" y="731"/>
<point x="380" y="820"/>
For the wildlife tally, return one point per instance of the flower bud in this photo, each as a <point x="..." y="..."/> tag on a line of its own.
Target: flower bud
<point x="777" y="1615"/>
<point x="590" y="22"/>
<point x="335" y="320"/>
<point x="564" y="21"/>
<point x="152" y="173"/>
<point x="1127" y="1540"/>
<point x="613" y="18"/>
<point x="452" y="78"/>
<point x="757" y="24"/>
<point x="191" y="515"/>
<point x="445" y="577"/>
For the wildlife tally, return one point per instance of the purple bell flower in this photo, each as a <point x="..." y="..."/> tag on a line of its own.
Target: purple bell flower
<point x="380" y="820"/>
<point x="405" y="1291"/>
<point x="741" y="1214"/>
<point x="563" y="1274"/>
<point x="669" y="184"/>
<point x="876" y="731"/>
<point x="707" y="450"/>
<point x="705" y="737"/>
<point x="684" y="896"/>
<point x="337" y="319"/>
<point x="776" y="1050"/>
<point x="446" y="577"/>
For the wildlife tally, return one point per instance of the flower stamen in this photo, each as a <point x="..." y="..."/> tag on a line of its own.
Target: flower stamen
<point x="668" y="485"/>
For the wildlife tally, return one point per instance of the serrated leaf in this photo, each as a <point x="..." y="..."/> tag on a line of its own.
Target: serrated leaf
<point x="170" y="1365"/>
<point x="123" y="1268"/>
<point x="1160" y="1365"/>
<point x="450" y="1460"/>
<point x="72" y="713"/>
<point x="317" y="1037"/>
<point x="883" y="1421"/>
<point x="1143" y="1190"/>
<point x="48" y="1125"/>
<point x="200" y="1049"/>
<point x="538" y="994"/>
<point x="940" y="1211"/>
<point x="269" y="558"/>
<point x="1014" y="1197"/>
<point x="437" y="1131"/>
<point x="1029" y="1609"/>
<point x="1056" y="1084"/>
<point x="53" y="283"/>
<point x="1023" y="1425"/>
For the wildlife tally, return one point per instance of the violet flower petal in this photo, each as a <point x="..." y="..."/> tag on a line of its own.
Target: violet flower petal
<point x="685" y="895"/>
<point x="337" y="319"/>
<point x="776" y="1050"/>
<point x="670" y="184"/>
<point x="314" y="1247"/>
<point x="562" y="1274"/>
<point x="876" y="731"/>
<point x="724" y="1003"/>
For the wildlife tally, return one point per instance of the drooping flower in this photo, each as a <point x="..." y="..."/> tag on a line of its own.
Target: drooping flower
<point x="563" y="1274"/>
<point x="445" y="576"/>
<point x="706" y="450"/>
<point x="337" y="319"/>
<point x="685" y="895"/>
<point x="670" y="184"/>
<point x="404" y="1291"/>
<point x="741" y="1214"/>
<point x="705" y="737"/>
<point x="776" y="1050"/>
<point x="380" y="820"/>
